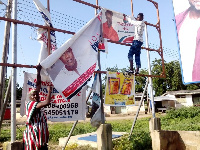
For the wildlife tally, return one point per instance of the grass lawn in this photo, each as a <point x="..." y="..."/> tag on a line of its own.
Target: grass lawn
<point x="185" y="119"/>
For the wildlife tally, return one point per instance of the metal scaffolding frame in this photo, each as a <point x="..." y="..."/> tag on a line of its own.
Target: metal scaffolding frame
<point x="159" y="50"/>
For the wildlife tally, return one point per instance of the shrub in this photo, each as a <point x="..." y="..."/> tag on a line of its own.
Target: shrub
<point x="185" y="119"/>
<point x="183" y="113"/>
<point x="140" y="140"/>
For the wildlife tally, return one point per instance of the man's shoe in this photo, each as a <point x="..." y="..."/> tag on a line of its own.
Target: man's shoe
<point x="136" y="73"/>
<point x="130" y="71"/>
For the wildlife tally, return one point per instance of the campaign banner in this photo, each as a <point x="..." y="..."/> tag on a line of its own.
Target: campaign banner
<point x="73" y="64"/>
<point x="96" y="111"/>
<point x="116" y="27"/>
<point x="59" y="109"/>
<point x="120" y="89"/>
<point x="188" y="31"/>
<point x="43" y="33"/>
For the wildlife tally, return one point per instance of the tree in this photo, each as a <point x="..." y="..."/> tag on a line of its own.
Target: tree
<point x="140" y="81"/>
<point x="18" y="90"/>
<point x="159" y="84"/>
<point x="173" y="80"/>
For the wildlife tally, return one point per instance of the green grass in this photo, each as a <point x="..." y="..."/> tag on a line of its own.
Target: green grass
<point x="185" y="119"/>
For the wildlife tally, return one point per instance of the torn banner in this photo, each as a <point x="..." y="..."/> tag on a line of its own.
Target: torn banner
<point x="116" y="27"/>
<point x="59" y="109"/>
<point x="72" y="65"/>
<point x="120" y="90"/>
<point x="96" y="112"/>
<point x="43" y="33"/>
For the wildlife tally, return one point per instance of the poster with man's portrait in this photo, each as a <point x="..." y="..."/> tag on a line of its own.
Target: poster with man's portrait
<point x="72" y="65"/>
<point x="187" y="21"/>
<point x="116" y="27"/>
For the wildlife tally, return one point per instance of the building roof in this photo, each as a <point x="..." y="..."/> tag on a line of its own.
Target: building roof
<point x="164" y="98"/>
<point x="181" y="92"/>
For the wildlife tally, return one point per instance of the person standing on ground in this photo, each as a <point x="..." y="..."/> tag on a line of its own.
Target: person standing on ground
<point x="135" y="48"/>
<point x="36" y="134"/>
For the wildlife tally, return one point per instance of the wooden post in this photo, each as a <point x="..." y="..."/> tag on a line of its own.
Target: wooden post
<point x="4" y="54"/>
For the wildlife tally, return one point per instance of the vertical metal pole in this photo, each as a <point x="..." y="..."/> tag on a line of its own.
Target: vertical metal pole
<point x="49" y="37"/>
<point x="4" y="54"/>
<point x="141" y="101"/>
<point x="149" y="68"/>
<point x="101" y="93"/>
<point x="48" y="5"/>
<point x="132" y="7"/>
<point x="96" y="8"/>
<point x="14" y="74"/>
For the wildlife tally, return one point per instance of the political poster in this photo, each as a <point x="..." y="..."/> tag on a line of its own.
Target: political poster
<point x="188" y="38"/>
<point x="43" y="33"/>
<point x="96" y="111"/>
<point x="120" y="89"/>
<point x="73" y="64"/>
<point x="59" y="109"/>
<point x="116" y="27"/>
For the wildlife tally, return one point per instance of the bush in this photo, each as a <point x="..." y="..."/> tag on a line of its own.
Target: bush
<point x="183" y="113"/>
<point x="140" y="140"/>
<point x="185" y="119"/>
<point x="77" y="147"/>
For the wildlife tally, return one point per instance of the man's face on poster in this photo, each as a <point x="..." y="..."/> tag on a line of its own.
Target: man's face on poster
<point x="69" y="60"/>
<point x="195" y="4"/>
<point x="109" y="18"/>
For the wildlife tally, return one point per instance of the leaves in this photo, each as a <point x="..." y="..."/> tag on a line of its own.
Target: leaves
<point x="173" y="80"/>
<point x="183" y="119"/>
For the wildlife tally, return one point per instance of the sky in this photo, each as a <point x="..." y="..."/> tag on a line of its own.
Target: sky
<point x="71" y="16"/>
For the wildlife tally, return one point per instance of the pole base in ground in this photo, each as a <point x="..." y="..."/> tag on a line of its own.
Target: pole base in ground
<point x="104" y="137"/>
<point x="17" y="145"/>
<point x="154" y="124"/>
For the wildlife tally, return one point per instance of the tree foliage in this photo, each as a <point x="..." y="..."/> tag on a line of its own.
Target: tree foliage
<point x="18" y="90"/>
<point x="173" y="80"/>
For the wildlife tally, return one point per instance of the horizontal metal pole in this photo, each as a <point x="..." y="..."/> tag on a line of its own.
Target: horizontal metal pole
<point x="35" y="25"/>
<point x="86" y="3"/>
<point x="17" y="65"/>
<point x="104" y="72"/>
<point x="63" y="31"/>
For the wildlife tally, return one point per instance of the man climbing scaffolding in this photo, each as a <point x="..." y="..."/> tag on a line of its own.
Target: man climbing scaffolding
<point x="135" y="48"/>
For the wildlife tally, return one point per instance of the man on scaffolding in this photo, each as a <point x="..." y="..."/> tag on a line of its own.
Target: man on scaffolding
<point x="135" y="48"/>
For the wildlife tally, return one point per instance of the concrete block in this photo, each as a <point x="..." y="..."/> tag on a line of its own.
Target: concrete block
<point x="104" y="137"/>
<point x="17" y="145"/>
<point x="154" y="124"/>
<point x="170" y="140"/>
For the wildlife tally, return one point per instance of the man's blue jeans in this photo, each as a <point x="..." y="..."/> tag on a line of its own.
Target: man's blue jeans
<point x="135" y="49"/>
